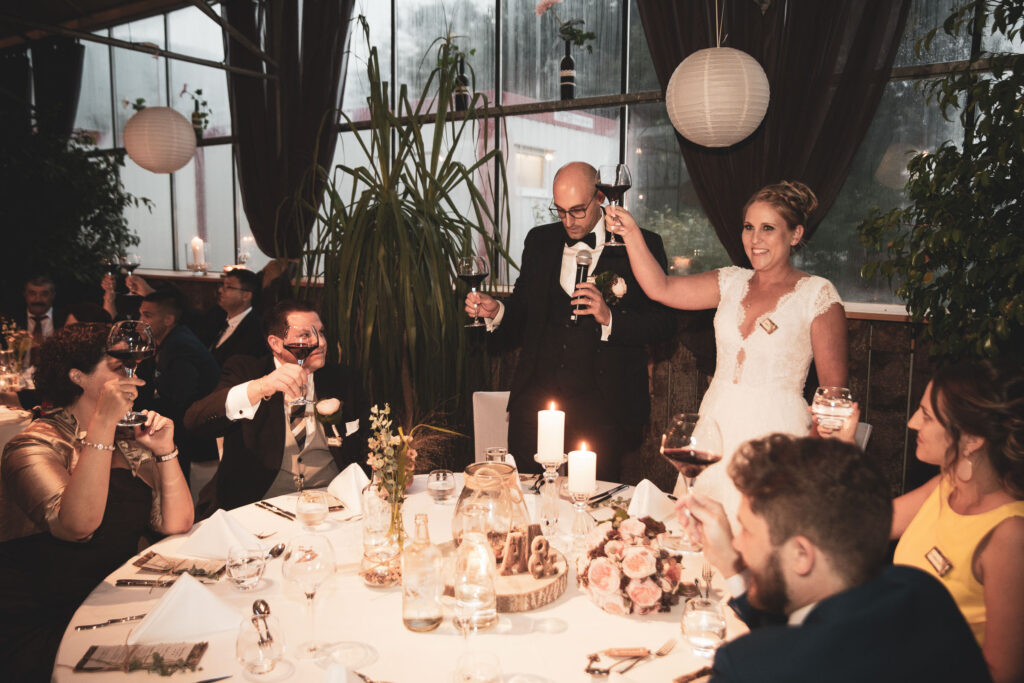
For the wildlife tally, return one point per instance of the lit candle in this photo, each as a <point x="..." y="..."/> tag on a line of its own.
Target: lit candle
<point x="550" y="435"/>
<point x="582" y="470"/>
<point x="197" y="250"/>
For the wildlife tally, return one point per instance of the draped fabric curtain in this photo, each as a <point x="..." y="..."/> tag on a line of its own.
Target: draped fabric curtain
<point x="57" y="79"/>
<point x="279" y="135"/>
<point x="827" y="63"/>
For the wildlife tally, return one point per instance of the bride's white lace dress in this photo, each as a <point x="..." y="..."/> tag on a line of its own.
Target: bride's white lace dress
<point x="758" y="384"/>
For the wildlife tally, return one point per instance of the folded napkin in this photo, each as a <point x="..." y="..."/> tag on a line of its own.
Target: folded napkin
<point x="348" y="488"/>
<point x="216" y="535"/>
<point x="336" y="673"/>
<point x="649" y="500"/>
<point x="188" y="611"/>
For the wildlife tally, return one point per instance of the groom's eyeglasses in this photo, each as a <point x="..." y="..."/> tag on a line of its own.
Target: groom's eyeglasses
<point x="576" y="212"/>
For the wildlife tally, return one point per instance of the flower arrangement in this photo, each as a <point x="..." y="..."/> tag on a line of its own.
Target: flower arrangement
<point x="626" y="572"/>
<point x="570" y="31"/>
<point x="612" y="287"/>
<point x="392" y="459"/>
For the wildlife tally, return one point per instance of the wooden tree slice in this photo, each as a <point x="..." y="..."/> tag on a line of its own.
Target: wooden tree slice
<point x="521" y="592"/>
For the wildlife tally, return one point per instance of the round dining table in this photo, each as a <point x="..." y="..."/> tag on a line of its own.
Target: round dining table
<point x="546" y="644"/>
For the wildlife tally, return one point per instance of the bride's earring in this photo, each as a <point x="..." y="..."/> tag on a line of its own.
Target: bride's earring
<point x="964" y="468"/>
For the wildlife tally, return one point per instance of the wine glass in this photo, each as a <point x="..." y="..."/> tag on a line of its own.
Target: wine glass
<point x="255" y="651"/>
<point x="703" y="625"/>
<point x="309" y="561"/>
<point x="472" y="270"/>
<point x="612" y="181"/>
<point x="301" y="341"/>
<point x="311" y="508"/>
<point x="130" y="341"/>
<point x="477" y="667"/>
<point x="691" y="443"/>
<point x="441" y="486"/>
<point x="831" y="406"/>
<point x="129" y="262"/>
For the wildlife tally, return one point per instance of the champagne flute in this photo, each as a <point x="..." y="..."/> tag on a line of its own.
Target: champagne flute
<point x="472" y="270"/>
<point x="691" y="443"/>
<point x="130" y="341"/>
<point x="309" y="561"/>
<point x="612" y="181"/>
<point x="301" y="341"/>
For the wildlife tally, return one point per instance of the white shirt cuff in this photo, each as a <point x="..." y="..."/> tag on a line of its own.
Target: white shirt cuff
<point x="606" y="330"/>
<point x="237" y="406"/>
<point x="492" y="324"/>
<point x="737" y="583"/>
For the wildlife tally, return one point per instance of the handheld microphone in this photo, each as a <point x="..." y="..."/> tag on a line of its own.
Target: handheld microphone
<point x="583" y="260"/>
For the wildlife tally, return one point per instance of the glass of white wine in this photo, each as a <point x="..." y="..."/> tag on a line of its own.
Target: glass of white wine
<point x="831" y="406"/>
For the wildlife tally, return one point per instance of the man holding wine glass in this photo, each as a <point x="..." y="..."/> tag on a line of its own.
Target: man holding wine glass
<point x="265" y="408"/>
<point x="587" y="356"/>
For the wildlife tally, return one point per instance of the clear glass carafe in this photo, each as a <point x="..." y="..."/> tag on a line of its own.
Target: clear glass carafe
<point x="492" y="487"/>
<point x="381" y="566"/>
<point x="475" y="572"/>
<point x="421" y="581"/>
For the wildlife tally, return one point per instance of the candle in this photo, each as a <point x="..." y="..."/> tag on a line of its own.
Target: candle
<point x="582" y="471"/>
<point x="550" y="435"/>
<point x="197" y="250"/>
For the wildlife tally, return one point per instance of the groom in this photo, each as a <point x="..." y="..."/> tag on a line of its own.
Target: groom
<point x="596" y="371"/>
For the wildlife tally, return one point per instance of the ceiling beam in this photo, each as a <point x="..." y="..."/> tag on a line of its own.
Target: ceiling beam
<point x="235" y="33"/>
<point x="83" y="21"/>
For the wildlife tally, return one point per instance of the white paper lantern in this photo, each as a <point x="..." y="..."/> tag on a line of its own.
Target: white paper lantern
<point x="159" y="139"/>
<point x="717" y="96"/>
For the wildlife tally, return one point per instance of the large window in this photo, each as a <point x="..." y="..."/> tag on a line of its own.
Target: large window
<point x="514" y="59"/>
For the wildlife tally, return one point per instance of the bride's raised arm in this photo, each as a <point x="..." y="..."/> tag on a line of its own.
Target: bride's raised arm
<point x="686" y="292"/>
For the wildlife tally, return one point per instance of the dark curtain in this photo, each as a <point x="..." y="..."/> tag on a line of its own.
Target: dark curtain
<point x="15" y="94"/>
<point x="827" y="64"/>
<point x="57" y="79"/>
<point x="278" y="138"/>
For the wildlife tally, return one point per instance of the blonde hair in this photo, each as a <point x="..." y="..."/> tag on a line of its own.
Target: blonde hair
<point x="794" y="201"/>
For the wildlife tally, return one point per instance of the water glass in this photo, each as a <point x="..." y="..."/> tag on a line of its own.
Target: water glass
<point x="441" y="486"/>
<point x="311" y="508"/>
<point x="256" y="653"/>
<point x="477" y="667"/>
<point x="703" y="625"/>
<point x="495" y="454"/>
<point x="245" y="566"/>
<point x="831" y="406"/>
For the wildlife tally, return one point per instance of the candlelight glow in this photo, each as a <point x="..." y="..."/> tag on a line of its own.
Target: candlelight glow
<point x="583" y="445"/>
<point x="551" y="406"/>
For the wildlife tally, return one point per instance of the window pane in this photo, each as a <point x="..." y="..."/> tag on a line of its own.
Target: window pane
<point x="924" y="16"/>
<point x="663" y="199"/>
<point x="641" y="67"/>
<point x="202" y="203"/>
<point x="94" y="115"/>
<point x="903" y="122"/>
<point x="257" y="259"/>
<point x="378" y="16"/>
<point x="192" y="33"/>
<point x="152" y="226"/>
<point x="532" y="50"/>
<point x="136" y="74"/>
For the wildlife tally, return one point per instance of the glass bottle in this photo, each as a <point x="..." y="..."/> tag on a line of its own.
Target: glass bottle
<point x="475" y="572"/>
<point x="567" y="72"/>
<point x="421" y="581"/>
<point x="462" y="87"/>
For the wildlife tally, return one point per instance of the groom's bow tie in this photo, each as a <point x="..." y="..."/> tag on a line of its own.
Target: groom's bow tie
<point x="590" y="239"/>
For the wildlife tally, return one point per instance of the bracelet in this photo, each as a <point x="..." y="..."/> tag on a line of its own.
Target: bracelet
<point x="164" y="458"/>
<point x="97" y="446"/>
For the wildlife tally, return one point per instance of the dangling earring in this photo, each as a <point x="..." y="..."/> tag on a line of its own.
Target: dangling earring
<point x="964" y="469"/>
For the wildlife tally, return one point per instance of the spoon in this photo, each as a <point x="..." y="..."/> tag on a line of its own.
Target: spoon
<point x="275" y="552"/>
<point x="261" y="610"/>
<point x="260" y="607"/>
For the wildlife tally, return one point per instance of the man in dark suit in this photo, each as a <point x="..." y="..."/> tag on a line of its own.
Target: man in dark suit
<point x="181" y="372"/>
<point x="809" y="569"/>
<point x="270" y="446"/>
<point x="39" y="316"/>
<point x="595" y="370"/>
<point x="240" y="331"/>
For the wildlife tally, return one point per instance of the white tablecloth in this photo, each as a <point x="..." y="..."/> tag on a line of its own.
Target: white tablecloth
<point x="548" y="644"/>
<point x="11" y="423"/>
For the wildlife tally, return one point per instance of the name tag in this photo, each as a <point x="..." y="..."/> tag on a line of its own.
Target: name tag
<point x="768" y="325"/>
<point x="351" y="427"/>
<point x="938" y="561"/>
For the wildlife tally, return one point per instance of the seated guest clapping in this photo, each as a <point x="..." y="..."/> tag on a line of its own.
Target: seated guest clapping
<point x="966" y="525"/>
<point x="75" y="503"/>
<point x="808" y="569"/>
<point x="272" y="447"/>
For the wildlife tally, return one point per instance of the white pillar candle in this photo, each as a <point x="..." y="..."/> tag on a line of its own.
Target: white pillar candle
<point x="550" y="435"/>
<point x="582" y="471"/>
<point x="197" y="250"/>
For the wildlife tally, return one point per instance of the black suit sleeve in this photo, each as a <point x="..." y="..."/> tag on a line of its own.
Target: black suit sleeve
<point x="648" y="322"/>
<point x="206" y="417"/>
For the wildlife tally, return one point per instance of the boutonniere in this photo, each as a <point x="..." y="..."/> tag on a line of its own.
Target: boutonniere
<point x="612" y="287"/>
<point x="328" y="413"/>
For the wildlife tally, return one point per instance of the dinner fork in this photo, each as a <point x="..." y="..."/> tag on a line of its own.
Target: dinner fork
<point x="707" y="574"/>
<point x="660" y="652"/>
<point x="264" y="534"/>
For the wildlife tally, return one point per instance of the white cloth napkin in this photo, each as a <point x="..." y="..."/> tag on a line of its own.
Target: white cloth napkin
<point x="348" y="488"/>
<point x="649" y="500"/>
<point x="216" y="535"/>
<point x="188" y="610"/>
<point x="336" y="673"/>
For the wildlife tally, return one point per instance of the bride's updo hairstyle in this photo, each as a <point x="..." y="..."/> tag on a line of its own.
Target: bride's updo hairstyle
<point x="986" y="399"/>
<point x="791" y="198"/>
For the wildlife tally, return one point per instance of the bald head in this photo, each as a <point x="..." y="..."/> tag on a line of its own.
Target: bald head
<point x="573" y="189"/>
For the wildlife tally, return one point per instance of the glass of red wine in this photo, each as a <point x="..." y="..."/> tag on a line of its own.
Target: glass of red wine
<point x="301" y="341"/>
<point x="131" y="342"/>
<point x="472" y="270"/>
<point x="691" y="443"/>
<point x="129" y="262"/>
<point x="612" y="181"/>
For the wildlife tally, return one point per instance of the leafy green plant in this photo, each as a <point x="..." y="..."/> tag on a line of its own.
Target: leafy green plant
<point x="955" y="253"/>
<point x="387" y="236"/>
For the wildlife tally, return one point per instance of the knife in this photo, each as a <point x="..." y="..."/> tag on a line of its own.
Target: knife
<point x="214" y="680"/>
<point x="607" y="494"/>
<point x="108" y="622"/>
<point x="270" y="507"/>
<point x="149" y="583"/>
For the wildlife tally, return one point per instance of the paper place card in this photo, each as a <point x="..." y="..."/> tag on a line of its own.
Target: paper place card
<point x="161" y="564"/>
<point x="163" y="658"/>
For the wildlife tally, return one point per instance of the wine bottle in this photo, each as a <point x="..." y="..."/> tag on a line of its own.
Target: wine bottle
<point x="567" y="71"/>
<point x="197" y="122"/>
<point x="462" y="87"/>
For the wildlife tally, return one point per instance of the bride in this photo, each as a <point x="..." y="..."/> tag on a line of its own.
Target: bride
<point x="771" y="320"/>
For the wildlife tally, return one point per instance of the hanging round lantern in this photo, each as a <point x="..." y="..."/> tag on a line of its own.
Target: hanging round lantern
<point x="717" y="96"/>
<point x="159" y="139"/>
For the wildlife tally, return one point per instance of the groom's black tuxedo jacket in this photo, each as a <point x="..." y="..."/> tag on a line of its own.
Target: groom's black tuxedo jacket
<point x="253" y="449"/>
<point x="620" y="364"/>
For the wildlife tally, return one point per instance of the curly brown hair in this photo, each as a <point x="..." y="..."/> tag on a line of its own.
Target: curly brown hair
<point x="984" y="398"/>
<point x="822" y="489"/>
<point x="791" y="198"/>
<point x="80" y="346"/>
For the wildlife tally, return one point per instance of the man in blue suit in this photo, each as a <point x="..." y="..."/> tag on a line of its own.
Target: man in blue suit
<point x="809" y="569"/>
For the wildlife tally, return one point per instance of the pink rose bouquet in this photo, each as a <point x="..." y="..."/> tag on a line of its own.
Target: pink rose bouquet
<point x="626" y="572"/>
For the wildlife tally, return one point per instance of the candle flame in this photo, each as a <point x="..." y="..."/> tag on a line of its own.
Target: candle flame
<point x="551" y="406"/>
<point x="583" y="445"/>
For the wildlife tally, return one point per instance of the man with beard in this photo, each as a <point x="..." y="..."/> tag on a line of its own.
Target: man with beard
<point x="809" y="569"/>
